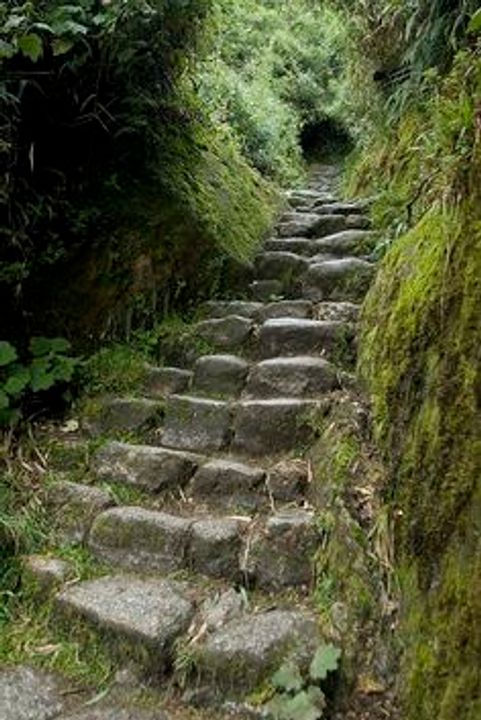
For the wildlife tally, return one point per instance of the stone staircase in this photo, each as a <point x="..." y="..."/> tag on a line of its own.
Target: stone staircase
<point x="215" y="563"/>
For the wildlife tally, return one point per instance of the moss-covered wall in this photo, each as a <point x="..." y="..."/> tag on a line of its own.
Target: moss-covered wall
<point x="421" y="361"/>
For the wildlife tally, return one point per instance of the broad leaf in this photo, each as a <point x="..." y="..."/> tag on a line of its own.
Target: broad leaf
<point x="4" y="400"/>
<point x="31" y="46"/>
<point x="41" y="375"/>
<point x="41" y="346"/>
<point x="475" y="22"/>
<point x="288" y="678"/>
<point x="8" y="354"/>
<point x="7" y="50"/>
<point x="61" y="46"/>
<point x="325" y="660"/>
<point x="302" y="707"/>
<point x="17" y="382"/>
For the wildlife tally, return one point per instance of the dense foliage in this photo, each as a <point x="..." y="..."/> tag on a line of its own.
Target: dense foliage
<point x="113" y="178"/>
<point x="276" y="70"/>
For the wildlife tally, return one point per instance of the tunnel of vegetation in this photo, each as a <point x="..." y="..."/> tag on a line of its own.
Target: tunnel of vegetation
<point x="142" y="149"/>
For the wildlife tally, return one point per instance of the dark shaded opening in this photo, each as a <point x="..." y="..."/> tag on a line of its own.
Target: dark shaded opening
<point x="324" y="139"/>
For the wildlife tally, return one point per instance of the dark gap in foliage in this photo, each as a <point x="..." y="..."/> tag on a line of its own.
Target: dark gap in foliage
<point x="325" y="138"/>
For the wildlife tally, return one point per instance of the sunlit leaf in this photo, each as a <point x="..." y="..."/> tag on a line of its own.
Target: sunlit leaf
<point x="325" y="661"/>
<point x="8" y="354"/>
<point x="302" y="707"/>
<point x="31" y="46"/>
<point x="475" y="22"/>
<point x="288" y="677"/>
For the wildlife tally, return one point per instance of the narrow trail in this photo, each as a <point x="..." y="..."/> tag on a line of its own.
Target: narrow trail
<point x="211" y="577"/>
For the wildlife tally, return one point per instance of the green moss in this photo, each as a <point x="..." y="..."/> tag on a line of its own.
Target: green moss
<point x="420" y="358"/>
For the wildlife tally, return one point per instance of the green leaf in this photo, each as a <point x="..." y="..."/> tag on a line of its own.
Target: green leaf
<point x="31" y="46"/>
<point x="8" y="354"/>
<point x="288" y="677"/>
<point x="302" y="707"/>
<point x="325" y="660"/>
<point x="41" y="346"/>
<point x="475" y="22"/>
<point x="41" y="377"/>
<point x="4" y="400"/>
<point x="17" y="382"/>
<point x="61" y="46"/>
<point x="7" y="50"/>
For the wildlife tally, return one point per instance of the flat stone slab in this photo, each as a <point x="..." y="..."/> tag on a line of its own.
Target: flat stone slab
<point x="280" y="265"/>
<point x="281" y="552"/>
<point x="138" y="539"/>
<point x="288" y="337"/>
<point x="115" y="713"/>
<point x="343" y="279"/>
<point x="228" y="484"/>
<point x="144" y="467"/>
<point x="220" y="375"/>
<point x="28" y="694"/>
<point x="127" y="414"/>
<point x="312" y="225"/>
<point x="141" y="618"/>
<point x="240" y="308"/>
<point x="288" y="480"/>
<point x="358" y="222"/>
<point x="265" y="290"/>
<point x="337" y="312"/>
<point x="45" y="573"/>
<point x="302" y="376"/>
<point x="193" y="423"/>
<point x="162" y="381"/>
<point x="263" y="427"/>
<point x="338" y="208"/>
<point x="349" y="242"/>
<point x="226" y="333"/>
<point x="74" y="507"/>
<point x="298" y="246"/>
<point x="301" y="309"/>
<point x="215" y="548"/>
<point x="236" y="659"/>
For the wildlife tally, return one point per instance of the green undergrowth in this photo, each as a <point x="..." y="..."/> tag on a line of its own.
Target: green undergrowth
<point x="353" y="560"/>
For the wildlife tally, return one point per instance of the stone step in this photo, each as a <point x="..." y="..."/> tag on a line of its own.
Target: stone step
<point x="348" y="242"/>
<point x="312" y="226"/>
<point x="298" y="246"/>
<point x="143" y="540"/>
<point x="238" y="658"/>
<point x="358" y="222"/>
<point x="240" y="308"/>
<point x="287" y="309"/>
<point x="303" y="376"/>
<point x="267" y="427"/>
<point x="73" y="508"/>
<point x="147" y="468"/>
<point x="346" y="312"/>
<point x="226" y="333"/>
<point x="342" y="279"/>
<point x="221" y="375"/>
<point x="230" y="548"/>
<point x="140" y="618"/>
<point x="338" y="208"/>
<point x="30" y="694"/>
<point x="229" y="483"/>
<point x="266" y="290"/>
<point x="162" y="381"/>
<point x="198" y="424"/>
<point x="130" y="414"/>
<point x="291" y="337"/>
<point x="283" y="266"/>
<point x="282" y="550"/>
